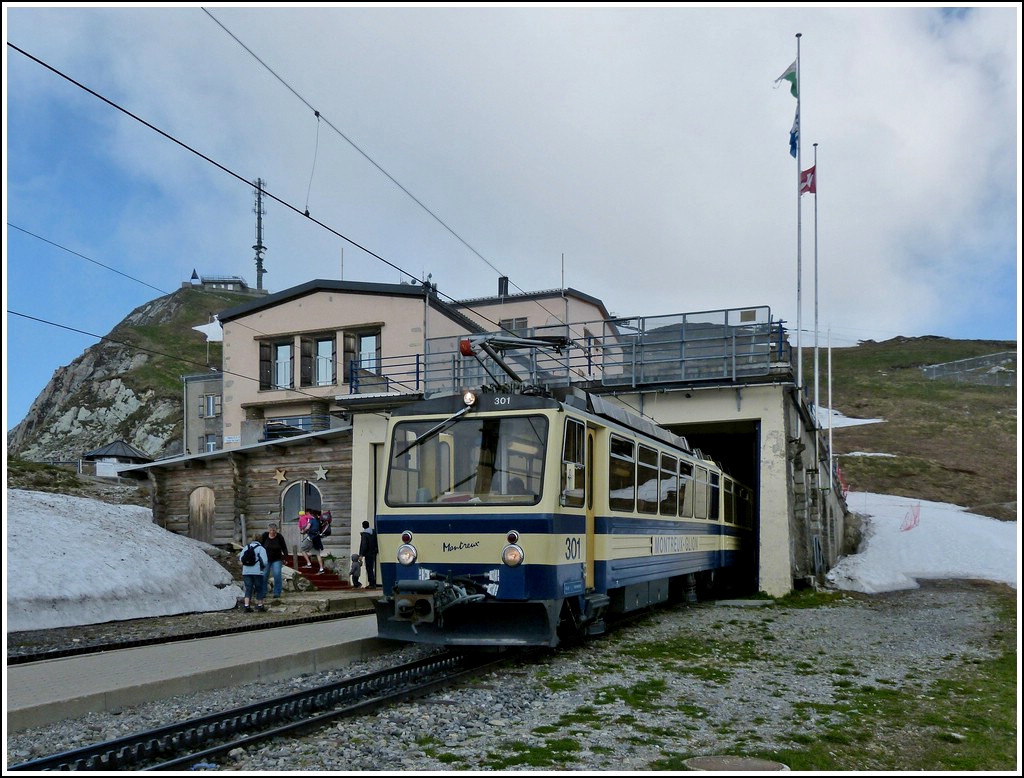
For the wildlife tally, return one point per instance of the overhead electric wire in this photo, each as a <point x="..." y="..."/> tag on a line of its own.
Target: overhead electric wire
<point x="242" y="179"/>
<point x="87" y="259"/>
<point x="137" y="347"/>
<point x="371" y="160"/>
<point x="214" y="294"/>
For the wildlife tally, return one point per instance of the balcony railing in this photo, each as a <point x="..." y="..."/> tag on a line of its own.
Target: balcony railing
<point x="722" y="345"/>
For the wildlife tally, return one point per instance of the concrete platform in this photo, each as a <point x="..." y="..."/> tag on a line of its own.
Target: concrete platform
<point x="43" y="692"/>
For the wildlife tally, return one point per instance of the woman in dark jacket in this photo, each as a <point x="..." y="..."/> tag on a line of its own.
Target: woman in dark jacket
<point x="277" y="550"/>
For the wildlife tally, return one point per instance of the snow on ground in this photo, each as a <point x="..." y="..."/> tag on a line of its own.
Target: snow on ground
<point x="907" y="539"/>
<point x="73" y="560"/>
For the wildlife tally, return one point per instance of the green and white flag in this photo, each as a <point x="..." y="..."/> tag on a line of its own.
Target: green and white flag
<point x="790" y="76"/>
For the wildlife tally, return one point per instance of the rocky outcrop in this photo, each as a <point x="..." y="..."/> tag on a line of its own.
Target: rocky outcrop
<point x="125" y="387"/>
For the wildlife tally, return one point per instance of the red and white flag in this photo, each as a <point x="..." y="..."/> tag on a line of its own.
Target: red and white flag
<point x="809" y="181"/>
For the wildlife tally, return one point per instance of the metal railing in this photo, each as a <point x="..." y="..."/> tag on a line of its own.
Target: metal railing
<point x="721" y="345"/>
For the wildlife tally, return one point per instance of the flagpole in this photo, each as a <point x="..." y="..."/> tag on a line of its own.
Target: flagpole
<point x="799" y="232"/>
<point x="817" y="423"/>
<point x="831" y="465"/>
<point x="815" y="168"/>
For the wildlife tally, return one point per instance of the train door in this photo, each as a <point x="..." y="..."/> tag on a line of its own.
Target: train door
<point x="589" y="551"/>
<point x="578" y="491"/>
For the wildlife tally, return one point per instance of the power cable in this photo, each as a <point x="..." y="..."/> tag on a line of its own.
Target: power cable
<point x="370" y="159"/>
<point x="248" y="184"/>
<point x="214" y="295"/>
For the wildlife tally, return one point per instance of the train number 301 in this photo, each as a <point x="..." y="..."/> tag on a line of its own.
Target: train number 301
<point x="573" y="548"/>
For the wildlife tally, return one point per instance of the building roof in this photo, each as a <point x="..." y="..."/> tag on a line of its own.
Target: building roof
<point x="118" y="449"/>
<point x="350" y="287"/>
<point x="546" y="294"/>
<point x="188" y="460"/>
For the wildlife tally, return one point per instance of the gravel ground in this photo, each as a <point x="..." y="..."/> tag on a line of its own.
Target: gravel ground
<point x="703" y="679"/>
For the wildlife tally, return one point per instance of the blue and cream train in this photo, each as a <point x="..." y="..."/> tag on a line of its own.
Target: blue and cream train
<point x="514" y="519"/>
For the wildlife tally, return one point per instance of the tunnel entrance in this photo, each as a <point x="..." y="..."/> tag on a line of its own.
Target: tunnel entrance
<point x="736" y="446"/>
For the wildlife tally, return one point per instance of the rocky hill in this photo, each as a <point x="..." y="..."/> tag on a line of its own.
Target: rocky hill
<point x="128" y="386"/>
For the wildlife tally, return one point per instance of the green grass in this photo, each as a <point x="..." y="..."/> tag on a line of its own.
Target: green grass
<point x="966" y="722"/>
<point x="954" y="442"/>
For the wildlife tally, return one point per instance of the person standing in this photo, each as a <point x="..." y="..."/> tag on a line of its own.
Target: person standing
<point x="277" y="551"/>
<point x="368" y="551"/>
<point x="355" y="569"/>
<point x="254" y="563"/>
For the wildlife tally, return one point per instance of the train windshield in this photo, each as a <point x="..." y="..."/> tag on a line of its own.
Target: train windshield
<point x="474" y="460"/>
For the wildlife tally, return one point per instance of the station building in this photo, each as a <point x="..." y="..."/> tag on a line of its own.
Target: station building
<point x="310" y="374"/>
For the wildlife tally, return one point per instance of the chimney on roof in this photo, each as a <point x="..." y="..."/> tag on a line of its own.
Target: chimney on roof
<point x="503" y="286"/>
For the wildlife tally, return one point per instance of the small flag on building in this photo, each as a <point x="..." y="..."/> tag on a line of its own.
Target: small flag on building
<point x="809" y="181"/>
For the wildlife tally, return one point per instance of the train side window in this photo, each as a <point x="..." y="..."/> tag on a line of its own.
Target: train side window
<point x="686" y="490"/>
<point x="700" y="493"/>
<point x="573" y="464"/>
<point x="669" y="485"/>
<point x="621" y="475"/>
<point x="729" y="501"/>
<point x="647" y="497"/>
<point x="713" y="512"/>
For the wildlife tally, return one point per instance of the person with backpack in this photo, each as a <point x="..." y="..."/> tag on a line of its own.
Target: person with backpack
<point x="368" y="551"/>
<point x="311" y="541"/>
<point x="254" y="562"/>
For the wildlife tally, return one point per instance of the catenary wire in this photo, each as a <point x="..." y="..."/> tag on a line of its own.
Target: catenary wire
<point x="319" y="117"/>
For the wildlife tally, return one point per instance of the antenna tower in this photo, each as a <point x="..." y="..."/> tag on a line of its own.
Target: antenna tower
<point x="259" y="247"/>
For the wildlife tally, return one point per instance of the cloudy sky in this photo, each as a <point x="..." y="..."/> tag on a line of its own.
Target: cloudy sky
<point x="639" y="154"/>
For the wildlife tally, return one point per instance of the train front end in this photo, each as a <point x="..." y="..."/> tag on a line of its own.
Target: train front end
<point x="467" y="541"/>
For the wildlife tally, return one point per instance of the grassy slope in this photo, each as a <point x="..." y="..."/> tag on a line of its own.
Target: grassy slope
<point x="954" y="442"/>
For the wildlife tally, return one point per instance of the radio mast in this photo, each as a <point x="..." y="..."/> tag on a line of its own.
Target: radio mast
<point x="259" y="247"/>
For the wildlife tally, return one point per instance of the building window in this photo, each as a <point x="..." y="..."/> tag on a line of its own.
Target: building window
<point x="325" y="357"/>
<point x="319" y="361"/>
<point x="516" y="325"/>
<point x="368" y="352"/>
<point x="209" y="406"/>
<point x="210" y="443"/>
<point x="362" y="351"/>
<point x="282" y="366"/>
<point x="276" y="365"/>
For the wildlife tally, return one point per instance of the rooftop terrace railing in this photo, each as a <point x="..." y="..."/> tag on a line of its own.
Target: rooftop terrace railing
<point x="721" y="345"/>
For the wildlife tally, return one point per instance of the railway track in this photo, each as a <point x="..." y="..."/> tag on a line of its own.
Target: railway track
<point x="186" y="744"/>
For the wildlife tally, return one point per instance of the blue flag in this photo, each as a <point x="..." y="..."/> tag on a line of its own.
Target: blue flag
<point x="794" y="134"/>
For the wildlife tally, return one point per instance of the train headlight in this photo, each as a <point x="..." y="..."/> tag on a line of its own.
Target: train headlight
<point x="512" y="555"/>
<point x="406" y="554"/>
<point x="469" y="397"/>
<point x="512" y="536"/>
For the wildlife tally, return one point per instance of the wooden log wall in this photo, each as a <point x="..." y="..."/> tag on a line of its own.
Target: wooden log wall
<point x="249" y="486"/>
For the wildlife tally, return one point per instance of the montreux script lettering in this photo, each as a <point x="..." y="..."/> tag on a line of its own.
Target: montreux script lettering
<point x="460" y="546"/>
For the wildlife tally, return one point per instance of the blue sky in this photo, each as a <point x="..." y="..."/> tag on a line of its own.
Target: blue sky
<point x="642" y="152"/>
